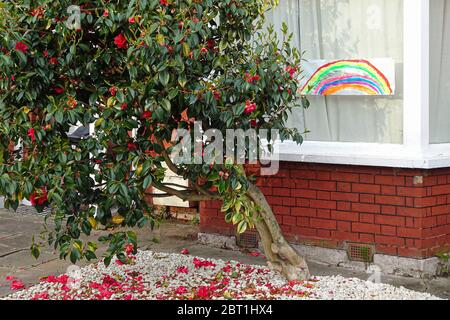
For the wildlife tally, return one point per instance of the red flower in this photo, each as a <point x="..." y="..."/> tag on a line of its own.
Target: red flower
<point x="185" y="251"/>
<point x="183" y="269"/>
<point x="31" y="134"/>
<point x="22" y="47"/>
<point x="164" y="2"/>
<point x="203" y="263"/>
<point x="113" y="91"/>
<point x="211" y="43"/>
<point x="59" y="90"/>
<point x="10" y="278"/>
<point x="53" y="61"/>
<point x="120" y="41"/>
<point x="217" y="95"/>
<point x="39" y="199"/>
<point x="132" y="20"/>
<point x="253" y="123"/>
<point x="129" y="249"/>
<point x="17" y="285"/>
<point x="250" y="107"/>
<point x="147" y="115"/>
<point x="181" y="290"/>
<point x="251" y="79"/>
<point x="106" y="13"/>
<point x="291" y="71"/>
<point x="124" y="106"/>
<point x="204" y="50"/>
<point x="46" y="53"/>
<point x="132" y="146"/>
<point x="203" y="292"/>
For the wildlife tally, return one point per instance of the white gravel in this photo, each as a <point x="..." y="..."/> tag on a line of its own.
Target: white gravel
<point x="163" y="276"/>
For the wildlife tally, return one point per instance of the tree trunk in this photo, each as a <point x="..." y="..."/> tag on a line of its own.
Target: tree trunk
<point x="281" y="256"/>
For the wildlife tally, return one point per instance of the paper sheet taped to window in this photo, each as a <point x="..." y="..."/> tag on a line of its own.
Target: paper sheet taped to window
<point x="349" y="77"/>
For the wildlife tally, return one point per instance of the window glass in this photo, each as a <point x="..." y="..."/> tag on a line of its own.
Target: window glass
<point x="348" y="29"/>
<point x="440" y="71"/>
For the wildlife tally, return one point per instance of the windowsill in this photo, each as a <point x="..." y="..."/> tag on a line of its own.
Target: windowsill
<point x="366" y="154"/>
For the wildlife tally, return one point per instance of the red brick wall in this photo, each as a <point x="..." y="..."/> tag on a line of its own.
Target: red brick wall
<point x="404" y="212"/>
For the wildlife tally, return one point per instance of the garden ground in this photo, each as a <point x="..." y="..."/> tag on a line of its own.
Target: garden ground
<point x="16" y="231"/>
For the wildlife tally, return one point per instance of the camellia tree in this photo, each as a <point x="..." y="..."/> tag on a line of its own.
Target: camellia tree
<point x="135" y="71"/>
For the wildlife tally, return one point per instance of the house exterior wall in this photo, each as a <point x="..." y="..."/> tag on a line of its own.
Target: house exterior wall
<point x="403" y="212"/>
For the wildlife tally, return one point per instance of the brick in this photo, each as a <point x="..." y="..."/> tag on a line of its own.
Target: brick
<point x="323" y="185"/>
<point x="323" y="204"/>
<point x="289" y="202"/>
<point x="411" y="212"/>
<point x="365" y="228"/>
<point x="304" y="193"/>
<point x="303" y="174"/>
<point x="323" y="213"/>
<point x="367" y="178"/>
<point x="300" y="202"/>
<point x="345" y="177"/>
<point x="345" y="215"/>
<point x="281" y="210"/>
<point x="344" y="206"/>
<point x="323" y="175"/>
<point x="391" y="210"/>
<point x="341" y="196"/>
<point x="366" y="188"/>
<point x="425" y="202"/>
<point x="389" y="240"/>
<point x="409" y="233"/>
<point x="281" y="192"/>
<point x="366" y="218"/>
<point x="390" y="200"/>
<point x="389" y="190"/>
<point x="344" y="236"/>
<point x="290" y="221"/>
<point x="411" y="192"/>
<point x="344" y="226"/>
<point x="303" y="222"/>
<point x="323" y="195"/>
<point x="441" y="210"/>
<point x="303" y="212"/>
<point x="388" y="230"/>
<point x="368" y="208"/>
<point x="275" y="200"/>
<point x="385" y="249"/>
<point x="323" y="224"/>
<point x="325" y="234"/>
<point x="366" y="238"/>
<point x="344" y="187"/>
<point x="390" y="220"/>
<point x="367" y="198"/>
<point x="411" y="253"/>
<point x="390" y="180"/>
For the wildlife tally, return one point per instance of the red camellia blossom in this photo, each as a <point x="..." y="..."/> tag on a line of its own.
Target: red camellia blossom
<point x="203" y="292"/>
<point x="185" y="251"/>
<point x="253" y="123"/>
<point x="106" y="13"/>
<point x="120" y="41"/>
<point x="113" y="91"/>
<point x="211" y="43"/>
<point x="31" y="134"/>
<point x="17" y="285"/>
<point x="131" y="20"/>
<point x="250" y="107"/>
<point x="217" y="95"/>
<point x="59" y="90"/>
<point x="181" y="290"/>
<point x="53" y="61"/>
<point x="164" y="2"/>
<point x="146" y="115"/>
<point x="10" y="278"/>
<point x="251" y="79"/>
<point x="183" y="269"/>
<point x="124" y="106"/>
<point x="46" y="54"/>
<point x="22" y="47"/>
<point x="129" y="249"/>
<point x="132" y="146"/>
<point x="204" y="50"/>
<point x="291" y="71"/>
<point x="39" y="199"/>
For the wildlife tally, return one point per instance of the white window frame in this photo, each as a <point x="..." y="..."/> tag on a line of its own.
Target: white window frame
<point x="416" y="150"/>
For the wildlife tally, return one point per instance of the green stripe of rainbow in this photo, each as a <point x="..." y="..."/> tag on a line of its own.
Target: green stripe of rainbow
<point x="347" y="67"/>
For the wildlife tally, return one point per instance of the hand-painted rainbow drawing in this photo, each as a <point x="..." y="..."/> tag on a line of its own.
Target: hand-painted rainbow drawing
<point x="349" y="77"/>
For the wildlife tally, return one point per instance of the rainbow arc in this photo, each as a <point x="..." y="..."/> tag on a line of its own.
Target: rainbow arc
<point x="350" y="77"/>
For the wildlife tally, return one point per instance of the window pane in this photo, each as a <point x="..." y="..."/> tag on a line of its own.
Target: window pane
<point x="440" y="71"/>
<point x="346" y="29"/>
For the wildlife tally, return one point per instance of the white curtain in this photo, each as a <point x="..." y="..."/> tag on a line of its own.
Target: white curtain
<point x="440" y="71"/>
<point x="343" y="29"/>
